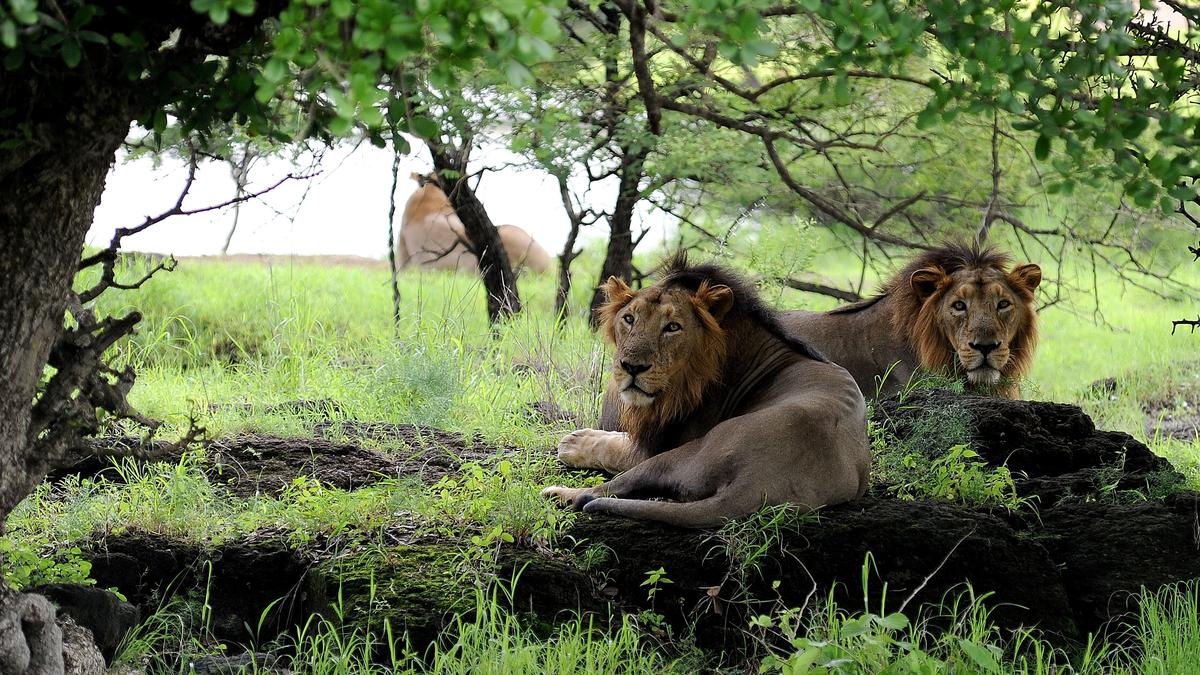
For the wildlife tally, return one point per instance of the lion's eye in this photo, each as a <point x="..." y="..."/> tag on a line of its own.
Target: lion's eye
<point x="672" y="328"/>
<point x="1003" y="304"/>
<point x="959" y="306"/>
<point x="628" y="319"/>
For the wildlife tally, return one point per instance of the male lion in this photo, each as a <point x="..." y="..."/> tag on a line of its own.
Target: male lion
<point x="954" y="310"/>
<point x="431" y="235"/>
<point x="720" y="410"/>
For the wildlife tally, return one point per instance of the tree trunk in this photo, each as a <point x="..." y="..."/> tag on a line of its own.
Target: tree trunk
<point x="562" y="297"/>
<point x="49" y="187"/>
<point x="618" y="262"/>
<point x="495" y="269"/>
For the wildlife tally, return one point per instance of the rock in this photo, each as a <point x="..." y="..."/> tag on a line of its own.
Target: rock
<point x="926" y="550"/>
<point x="238" y="664"/>
<point x="1108" y="552"/>
<point x="1166" y="419"/>
<point x="101" y="612"/>
<point x="31" y="643"/>
<point x="253" y="464"/>
<point x="1029" y="437"/>
<point x="247" y="577"/>
<point x="81" y="656"/>
<point x="1068" y="568"/>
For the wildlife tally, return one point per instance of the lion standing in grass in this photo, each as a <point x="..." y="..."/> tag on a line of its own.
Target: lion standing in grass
<point x="955" y="311"/>
<point x="720" y="411"/>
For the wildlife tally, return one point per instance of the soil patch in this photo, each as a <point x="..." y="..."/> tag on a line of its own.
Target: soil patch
<point x="1165" y="419"/>
<point x="257" y="464"/>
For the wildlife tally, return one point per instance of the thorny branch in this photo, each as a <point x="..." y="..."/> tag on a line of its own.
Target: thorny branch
<point x="84" y="392"/>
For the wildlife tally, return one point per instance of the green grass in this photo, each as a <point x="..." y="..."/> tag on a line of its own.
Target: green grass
<point x="217" y="336"/>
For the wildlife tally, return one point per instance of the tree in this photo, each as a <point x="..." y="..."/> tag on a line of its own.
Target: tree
<point x="77" y="74"/>
<point x="1101" y="90"/>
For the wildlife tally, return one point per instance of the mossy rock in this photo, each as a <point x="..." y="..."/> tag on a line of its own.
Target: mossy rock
<point x="414" y="588"/>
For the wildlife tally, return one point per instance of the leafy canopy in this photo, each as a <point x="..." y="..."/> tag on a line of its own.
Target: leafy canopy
<point x="338" y="62"/>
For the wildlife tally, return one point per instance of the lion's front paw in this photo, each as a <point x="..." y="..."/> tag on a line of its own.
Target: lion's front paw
<point x="595" y="449"/>
<point x="565" y="496"/>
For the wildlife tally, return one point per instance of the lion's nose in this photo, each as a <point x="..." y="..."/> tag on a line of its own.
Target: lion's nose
<point x="634" y="369"/>
<point x="985" y="348"/>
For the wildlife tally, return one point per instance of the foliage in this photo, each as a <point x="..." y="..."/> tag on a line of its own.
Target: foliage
<point x="329" y="56"/>
<point x="958" y="637"/>
<point x="749" y="542"/>
<point x="959" y="476"/>
<point x="31" y="562"/>
<point x="502" y="501"/>
<point x="486" y="638"/>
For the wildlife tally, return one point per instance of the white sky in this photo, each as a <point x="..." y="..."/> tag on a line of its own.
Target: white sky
<point x="342" y="211"/>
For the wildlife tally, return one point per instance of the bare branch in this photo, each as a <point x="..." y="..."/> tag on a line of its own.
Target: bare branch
<point x="820" y="289"/>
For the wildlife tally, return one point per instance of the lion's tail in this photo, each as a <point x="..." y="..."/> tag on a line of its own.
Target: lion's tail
<point x="708" y="512"/>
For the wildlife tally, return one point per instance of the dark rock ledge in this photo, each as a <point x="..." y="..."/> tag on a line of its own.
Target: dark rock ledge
<point x="1108" y="520"/>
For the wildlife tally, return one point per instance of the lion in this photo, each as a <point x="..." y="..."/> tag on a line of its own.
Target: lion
<point x="431" y="235"/>
<point x="720" y="411"/>
<point x="954" y="310"/>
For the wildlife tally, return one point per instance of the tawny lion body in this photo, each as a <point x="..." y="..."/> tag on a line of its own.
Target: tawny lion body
<point x="431" y="235"/>
<point x="955" y="311"/>
<point x="720" y="411"/>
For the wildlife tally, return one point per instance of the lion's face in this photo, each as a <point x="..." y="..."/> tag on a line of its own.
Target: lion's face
<point x="982" y="314"/>
<point x="668" y="341"/>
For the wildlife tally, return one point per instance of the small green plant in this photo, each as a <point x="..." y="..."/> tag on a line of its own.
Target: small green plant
<point x="595" y="556"/>
<point x="503" y="500"/>
<point x="29" y="562"/>
<point x="655" y="579"/>
<point x="959" y="476"/>
<point x="749" y="542"/>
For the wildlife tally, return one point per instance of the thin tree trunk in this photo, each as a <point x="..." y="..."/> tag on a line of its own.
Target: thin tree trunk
<point x="240" y="170"/>
<point x="618" y="262"/>
<point x="499" y="280"/>
<point x="396" y="155"/>
<point x="562" y="297"/>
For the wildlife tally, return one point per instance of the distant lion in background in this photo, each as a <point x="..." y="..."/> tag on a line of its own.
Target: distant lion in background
<point x="431" y="235"/>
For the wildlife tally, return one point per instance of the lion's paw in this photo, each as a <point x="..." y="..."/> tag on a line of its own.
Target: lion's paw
<point x="565" y="496"/>
<point x="593" y="449"/>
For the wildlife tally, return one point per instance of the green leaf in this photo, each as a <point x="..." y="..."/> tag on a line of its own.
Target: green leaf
<point x="424" y="127"/>
<point x="14" y="59"/>
<point x="8" y="33"/>
<point x="275" y="70"/>
<point x="342" y="9"/>
<point x="895" y="621"/>
<point x="71" y="53"/>
<point x="980" y="655"/>
<point x="1041" y="149"/>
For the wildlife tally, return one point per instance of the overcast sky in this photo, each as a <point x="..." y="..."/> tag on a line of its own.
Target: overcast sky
<point x="342" y="211"/>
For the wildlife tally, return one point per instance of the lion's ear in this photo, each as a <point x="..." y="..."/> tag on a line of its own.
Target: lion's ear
<point x="926" y="281"/>
<point x="616" y="290"/>
<point x="1026" y="276"/>
<point x="718" y="300"/>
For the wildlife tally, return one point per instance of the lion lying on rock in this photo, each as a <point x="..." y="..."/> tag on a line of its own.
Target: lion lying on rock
<point x="720" y="410"/>
<point x="954" y="310"/>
